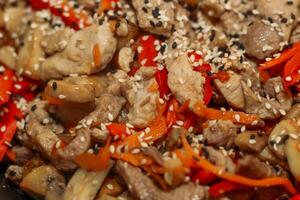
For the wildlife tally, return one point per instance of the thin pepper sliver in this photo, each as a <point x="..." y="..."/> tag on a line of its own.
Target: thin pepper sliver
<point x="8" y="125"/>
<point x="6" y="85"/>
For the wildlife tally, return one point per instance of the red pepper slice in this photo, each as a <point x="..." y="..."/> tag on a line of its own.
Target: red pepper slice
<point x="8" y="126"/>
<point x="117" y="129"/>
<point x="296" y="197"/>
<point x="161" y="77"/>
<point x="290" y="71"/>
<point x="6" y="84"/>
<point x="64" y="10"/>
<point x="148" y="52"/>
<point x="205" y="70"/>
<point x="225" y="186"/>
<point x="204" y="177"/>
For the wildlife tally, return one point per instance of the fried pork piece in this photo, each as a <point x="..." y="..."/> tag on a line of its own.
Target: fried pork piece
<point x="87" y="46"/>
<point x="185" y="83"/>
<point x="252" y="167"/>
<point x="264" y="38"/>
<point x="220" y="133"/>
<point x="155" y="16"/>
<point x="43" y="135"/>
<point x="143" y="188"/>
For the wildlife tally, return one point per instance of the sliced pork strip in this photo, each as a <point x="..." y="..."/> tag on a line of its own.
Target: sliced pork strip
<point x="220" y="133"/>
<point x="232" y="90"/>
<point x="79" y="55"/>
<point x="185" y="83"/>
<point x="144" y="189"/>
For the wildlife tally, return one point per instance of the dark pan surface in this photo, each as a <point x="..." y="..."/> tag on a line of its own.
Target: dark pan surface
<point x="8" y="191"/>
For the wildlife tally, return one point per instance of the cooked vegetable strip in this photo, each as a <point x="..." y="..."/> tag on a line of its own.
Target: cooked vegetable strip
<point x="285" y="56"/>
<point x="6" y="85"/>
<point x="98" y="162"/>
<point x="134" y="159"/>
<point x="236" y="117"/>
<point x="222" y="187"/>
<point x="206" y="165"/>
<point x="290" y="72"/>
<point x="8" y="127"/>
<point x="97" y="54"/>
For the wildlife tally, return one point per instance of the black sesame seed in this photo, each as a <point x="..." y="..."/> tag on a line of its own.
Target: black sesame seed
<point x="146" y="1"/>
<point x="152" y="23"/>
<point x="289" y="2"/>
<point x="155" y="12"/>
<point x="270" y="19"/>
<point x="174" y="45"/>
<point x="118" y="24"/>
<point x="212" y="35"/>
<point x="145" y="10"/>
<point x="162" y="49"/>
<point x="284" y="20"/>
<point x="159" y="23"/>
<point x="252" y="136"/>
<point x="293" y="16"/>
<point x="54" y="85"/>
<point x="33" y="108"/>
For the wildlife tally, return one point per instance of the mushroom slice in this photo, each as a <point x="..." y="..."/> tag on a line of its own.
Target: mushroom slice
<point x="293" y="156"/>
<point x="41" y="180"/>
<point x="280" y="134"/>
<point x="84" y="185"/>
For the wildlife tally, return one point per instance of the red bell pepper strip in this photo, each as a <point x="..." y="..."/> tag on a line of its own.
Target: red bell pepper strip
<point x="8" y="127"/>
<point x="6" y="85"/>
<point x="148" y="52"/>
<point x="205" y="69"/>
<point x="222" y="187"/>
<point x="161" y="77"/>
<point x="117" y="129"/>
<point x="296" y="197"/>
<point x="62" y="9"/>
<point x="204" y="177"/>
<point x="291" y="71"/>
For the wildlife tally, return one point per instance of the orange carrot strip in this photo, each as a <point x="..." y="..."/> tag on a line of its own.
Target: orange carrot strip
<point x="94" y="162"/>
<point x="97" y="54"/>
<point x="236" y="117"/>
<point x="285" y="56"/>
<point x="267" y="182"/>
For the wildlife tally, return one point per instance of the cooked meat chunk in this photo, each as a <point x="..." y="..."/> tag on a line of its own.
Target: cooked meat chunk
<point x="31" y="55"/>
<point x="56" y="41"/>
<point x="219" y="159"/>
<point x="13" y="17"/>
<point x="232" y="90"/>
<point x="143" y="103"/>
<point x="159" y="16"/>
<point x="220" y="133"/>
<point x="185" y="83"/>
<point x="144" y="189"/>
<point x="264" y="108"/>
<point x="81" y="53"/>
<point x="68" y="89"/>
<point x="125" y="58"/>
<point x="251" y="141"/>
<point x="261" y="40"/>
<point x="80" y="144"/>
<point x="8" y="56"/>
<point x="107" y="109"/>
<point x="252" y="167"/>
<point x="22" y="154"/>
<point x="277" y="10"/>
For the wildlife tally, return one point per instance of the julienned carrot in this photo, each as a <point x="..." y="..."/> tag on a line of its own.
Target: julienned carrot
<point x="206" y="165"/>
<point x="285" y="56"/>
<point x="94" y="162"/>
<point x="156" y="131"/>
<point x="236" y="117"/>
<point x="97" y="54"/>
<point x="134" y="159"/>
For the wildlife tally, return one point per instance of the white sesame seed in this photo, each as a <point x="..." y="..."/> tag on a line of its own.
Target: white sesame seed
<point x="3" y="128"/>
<point x="237" y="117"/>
<point x="282" y="112"/>
<point x="112" y="149"/>
<point x="288" y="78"/>
<point x="61" y="96"/>
<point x="252" y="141"/>
<point x="110" y="117"/>
<point x="110" y="186"/>
<point x="268" y="105"/>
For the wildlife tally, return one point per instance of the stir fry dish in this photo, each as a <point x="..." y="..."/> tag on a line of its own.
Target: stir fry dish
<point x="151" y="99"/>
